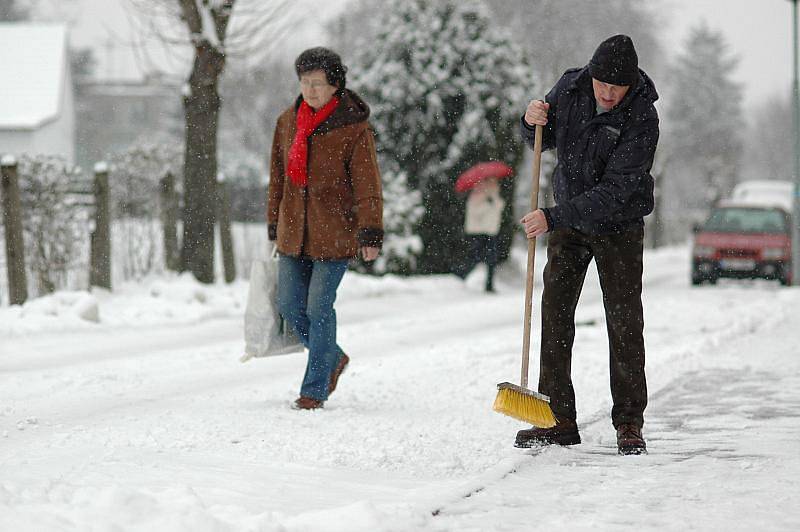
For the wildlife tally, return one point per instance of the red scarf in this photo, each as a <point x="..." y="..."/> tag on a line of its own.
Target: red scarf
<point x="307" y="122"/>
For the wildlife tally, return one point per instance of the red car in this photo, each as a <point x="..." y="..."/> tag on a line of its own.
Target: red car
<point x="744" y="242"/>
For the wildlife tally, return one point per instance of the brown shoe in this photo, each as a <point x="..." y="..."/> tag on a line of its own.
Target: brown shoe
<point x="564" y="433"/>
<point x="307" y="403"/>
<point x="630" y="440"/>
<point x="344" y="360"/>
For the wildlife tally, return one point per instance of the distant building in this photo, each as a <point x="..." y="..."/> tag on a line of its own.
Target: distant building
<point x="37" y="110"/>
<point x="115" y="115"/>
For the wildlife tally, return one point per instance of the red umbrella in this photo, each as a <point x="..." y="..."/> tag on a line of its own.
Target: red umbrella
<point x="482" y="171"/>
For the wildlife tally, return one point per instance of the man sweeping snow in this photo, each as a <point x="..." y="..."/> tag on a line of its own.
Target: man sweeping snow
<point x="604" y="127"/>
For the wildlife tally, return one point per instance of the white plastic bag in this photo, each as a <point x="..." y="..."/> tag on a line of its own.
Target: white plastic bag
<point x="265" y="332"/>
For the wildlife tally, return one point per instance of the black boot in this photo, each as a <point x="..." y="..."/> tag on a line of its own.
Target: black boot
<point x="630" y="440"/>
<point x="564" y="433"/>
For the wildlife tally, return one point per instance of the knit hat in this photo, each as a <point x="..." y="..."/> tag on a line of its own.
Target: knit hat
<point x="615" y="61"/>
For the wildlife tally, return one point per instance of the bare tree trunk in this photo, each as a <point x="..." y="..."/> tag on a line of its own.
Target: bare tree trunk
<point x="200" y="165"/>
<point x="201" y="106"/>
<point x="15" y="250"/>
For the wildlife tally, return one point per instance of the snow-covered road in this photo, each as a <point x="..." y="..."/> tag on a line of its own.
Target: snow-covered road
<point x="147" y="421"/>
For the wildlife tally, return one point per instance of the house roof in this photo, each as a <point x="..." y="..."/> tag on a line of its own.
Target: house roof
<point x="33" y="59"/>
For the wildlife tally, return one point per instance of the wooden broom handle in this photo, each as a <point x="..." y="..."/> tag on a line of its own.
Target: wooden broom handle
<point x="526" y="338"/>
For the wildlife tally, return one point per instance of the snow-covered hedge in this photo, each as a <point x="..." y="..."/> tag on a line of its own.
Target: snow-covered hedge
<point x="55" y="223"/>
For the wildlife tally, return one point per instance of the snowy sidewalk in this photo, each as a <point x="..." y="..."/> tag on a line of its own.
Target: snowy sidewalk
<point x="723" y="445"/>
<point x="138" y="423"/>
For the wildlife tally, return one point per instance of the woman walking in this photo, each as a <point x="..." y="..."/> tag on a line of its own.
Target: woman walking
<point x="324" y="208"/>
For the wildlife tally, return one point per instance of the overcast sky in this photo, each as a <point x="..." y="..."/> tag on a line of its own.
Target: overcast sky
<point x="759" y="33"/>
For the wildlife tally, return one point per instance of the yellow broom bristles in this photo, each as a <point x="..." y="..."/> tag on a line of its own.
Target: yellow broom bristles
<point x="514" y="403"/>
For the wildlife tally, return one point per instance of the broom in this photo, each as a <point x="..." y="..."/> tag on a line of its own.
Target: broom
<point x="518" y="401"/>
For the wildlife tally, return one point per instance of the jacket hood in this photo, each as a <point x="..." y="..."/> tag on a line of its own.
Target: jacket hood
<point x="351" y="110"/>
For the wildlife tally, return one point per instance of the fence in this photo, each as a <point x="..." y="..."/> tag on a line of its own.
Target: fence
<point x="94" y="195"/>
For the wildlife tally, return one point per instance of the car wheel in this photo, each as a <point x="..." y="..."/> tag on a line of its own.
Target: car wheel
<point x="712" y="280"/>
<point x="697" y="280"/>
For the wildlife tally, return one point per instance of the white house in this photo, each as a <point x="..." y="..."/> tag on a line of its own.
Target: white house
<point x="37" y="111"/>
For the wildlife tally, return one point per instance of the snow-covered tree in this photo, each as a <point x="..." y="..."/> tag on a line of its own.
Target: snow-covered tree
<point x="772" y="156"/>
<point x="54" y="220"/>
<point x="447" y="88"/>
<point x="402" y="211"/>
<point x="705" y="121"/>
<point x="561" y="34"/>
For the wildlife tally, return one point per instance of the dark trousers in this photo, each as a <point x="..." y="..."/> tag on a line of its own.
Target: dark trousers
<point x="619" y="263"/>
<point x="482" y="248"/>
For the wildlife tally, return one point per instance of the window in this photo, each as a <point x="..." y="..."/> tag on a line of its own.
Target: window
<point x="747" y="220"/>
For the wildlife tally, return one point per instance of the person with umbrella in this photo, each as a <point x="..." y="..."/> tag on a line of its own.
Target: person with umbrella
<point x="483" y="216"/>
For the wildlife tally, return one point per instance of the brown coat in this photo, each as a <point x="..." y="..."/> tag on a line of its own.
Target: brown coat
<point x="341" y="208"/>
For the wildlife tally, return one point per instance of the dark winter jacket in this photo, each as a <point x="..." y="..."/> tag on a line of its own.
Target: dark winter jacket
<point x="602" y="182"/>
<point x="341" y="208"/>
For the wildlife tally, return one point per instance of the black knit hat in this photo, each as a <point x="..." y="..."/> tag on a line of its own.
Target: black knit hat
<point x="615" y="61"/>
<point x="320" y="58"/>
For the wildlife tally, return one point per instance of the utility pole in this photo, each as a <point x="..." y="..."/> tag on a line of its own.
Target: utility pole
<point x="796" y="155"/>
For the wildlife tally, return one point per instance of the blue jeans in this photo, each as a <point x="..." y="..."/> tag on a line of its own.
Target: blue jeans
<point x="306" y="293"/>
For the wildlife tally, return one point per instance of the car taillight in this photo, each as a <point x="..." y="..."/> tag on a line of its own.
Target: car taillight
<point x="704" y="251"/>
<point x="774" y="253"/>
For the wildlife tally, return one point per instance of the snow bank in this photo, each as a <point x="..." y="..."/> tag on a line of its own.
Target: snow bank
<point x="173" y="299"/>
<point x="154" y="301"/>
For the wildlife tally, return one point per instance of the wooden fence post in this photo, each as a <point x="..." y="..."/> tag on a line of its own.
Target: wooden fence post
<point x="12" y="219"/>
<point x="100" y="273"/>
<point x="225" y="236"/>
<point x="169" y="222"/>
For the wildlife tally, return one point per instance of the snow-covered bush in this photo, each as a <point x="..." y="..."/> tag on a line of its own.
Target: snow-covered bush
<point x="447" y="88"/>
<point x="135" y="184"/>
<point x="136" y="174"/>
<point x="137" y="247"/>
<point x="55" y="221"/>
